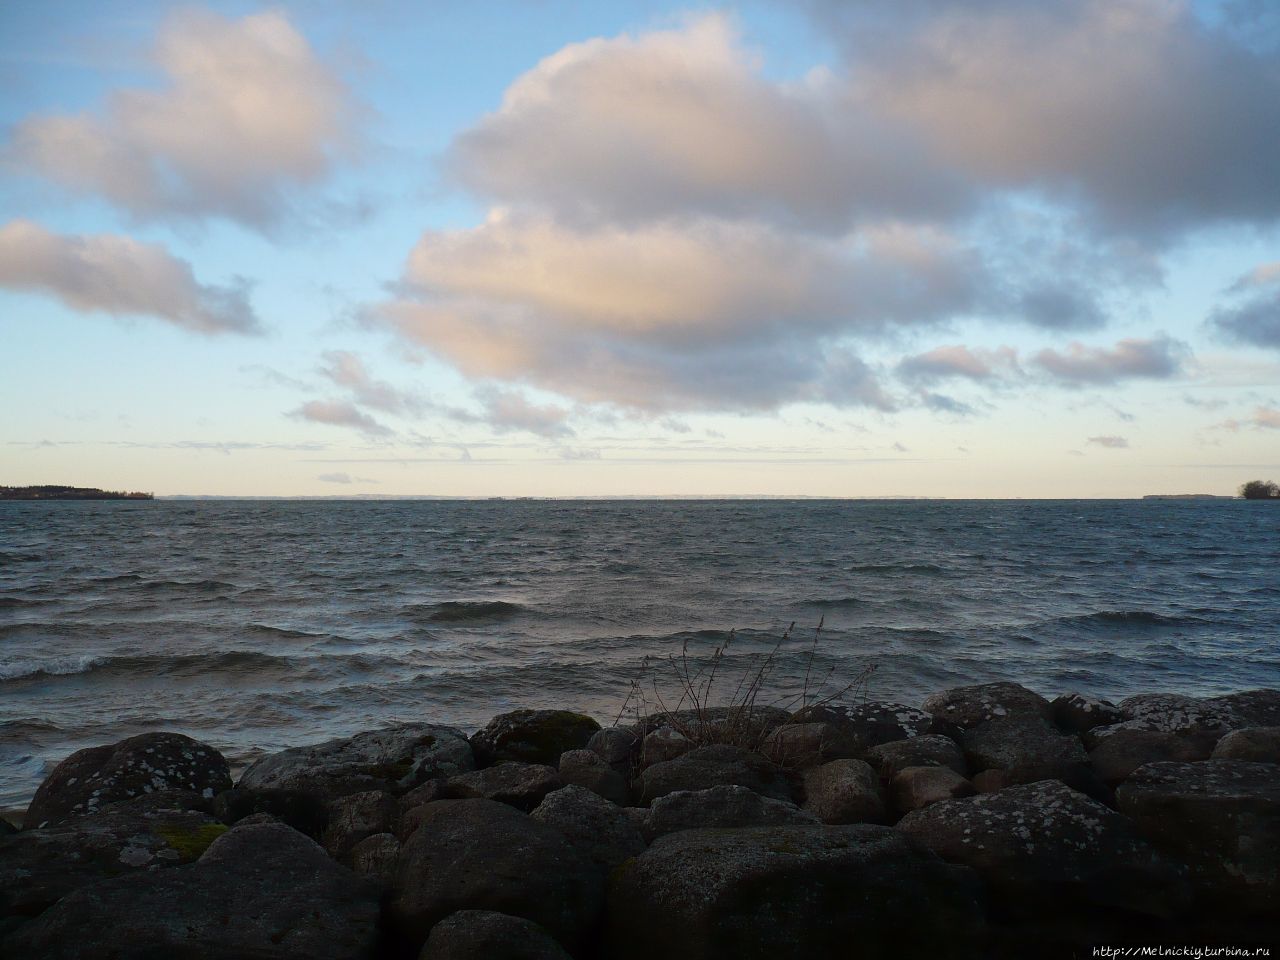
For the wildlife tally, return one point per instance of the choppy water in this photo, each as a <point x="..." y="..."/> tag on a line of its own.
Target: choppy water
<point x="256" y="625"/>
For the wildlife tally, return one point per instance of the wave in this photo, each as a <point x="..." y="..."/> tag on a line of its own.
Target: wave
<point x="928" y="569"/>
<point x="1127" y="618"/>
<point x="466" y="611"/>
<point x="15" y="603"/>
<point x="49" y="667"/>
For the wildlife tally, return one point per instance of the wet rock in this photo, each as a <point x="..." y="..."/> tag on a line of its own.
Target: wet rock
<point x="790" y="893"/>
<point x="486" y="935"/>
<point x="1249" y="708"/>
<point x="522" y="785"/>
<point x="1255" y="744"/>
<point x="713" y="766"/>
<point x="1076" y="713"/>
<point x="798" y="746"/>
<point x="869" y="723"/>
<point x="915" y="788"/>
<point x="586" y="768"/>
<point x="932" y="750"/>
<point x="376" y="858"/>
<point x="595" y="827"/>
<point x="484" y="855"/>
<point x="92" y="778"/>
<point x="305" y="812"/>
<point x="41" y="866"/>
<point x="262" y="891"/>
<point x="1174" y="713"/>
<point x="1123" y="751"/>
<point x="720" y="807"/>
<point x="395" y="759"/>
<point x="356" y="816"/>
<point x="844" y="791"/>
<point x="1045" y="848"/>
<point x="969" y="706"/>
<point x="532" y="736"/>
<point x="1220" y="816"/>
<point x="663" y="744"/>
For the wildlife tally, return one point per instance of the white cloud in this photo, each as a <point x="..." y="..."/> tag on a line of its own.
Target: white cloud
<point x="346" y="369"/>
<point x="117" y="275"/>
<point x="248" y="114"/>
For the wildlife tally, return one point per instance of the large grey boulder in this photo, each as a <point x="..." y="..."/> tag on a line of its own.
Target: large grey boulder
<point x="663" y="744"/>
<point x="914" y="788"/>
<point x="868" y="723"/>
<point x="486" y="935"/>
<point x="1175" y="713"/>
<point x="969" y="706"/>
<point x="532" y="736"/>
<point x="1124" y="749"/>
<point x="734" y="725"/>
<point x="395" y="759"/>
<point x="261" y="891"/>
<point x="594" y="826"/>
<point x="522" y="785"/>
<point x="1025" y="749"/>
<point x="90" y="779"/>
<point x="377" y="858"/>
<point x="712" y="766"/>
<point x="586" y="768"/>
<point x="844" y="791"/>
<point x="1255" y="744"/>
<point x="1076" y="713"/>
<point x="798" y="746"/>
<point x="485" y="855"/>
<point x="719" y="807"/>
<point x="932" y="750"/>
<point x="305" y="812"/>
<point x="619" y="747"/>
<point x="1220" y="816"/>
<point x="1044" y="848"/>
<point x="41" y="866"/>
<point x="356" y="816"/>
<point x="1249" y="708"/>
<point x="790" y="893"/>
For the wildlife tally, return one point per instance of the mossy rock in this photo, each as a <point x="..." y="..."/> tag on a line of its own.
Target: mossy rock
<point x="532" y="736"/>
<point x="190" y="844"/>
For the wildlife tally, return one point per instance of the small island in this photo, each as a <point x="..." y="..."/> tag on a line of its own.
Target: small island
<point x="54" y="492"/>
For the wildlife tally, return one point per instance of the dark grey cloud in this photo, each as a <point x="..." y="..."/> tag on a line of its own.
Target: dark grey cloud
<point x="957" y="361"/>
<point x="1252" y="315"/>
<point x="1160" y="358"/>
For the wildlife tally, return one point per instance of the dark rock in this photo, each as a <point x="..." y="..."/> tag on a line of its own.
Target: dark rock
<point x="395" y="759"/>
<point x="595" y="827"/>
<point x="408" y="819"/>
<point x="1076" y="713"/>
<point x="844" y="791"/>
<point x="522" y="785"/>
<point x="376" y="858"/>
<point x="1254" y="744"/>
<point x="719" y="807"/>
<point x="1027" y="749"/>
<point x="1220" y="816"/>
<point x="264" y="892"/>
<point x="1123" y="751"/>
<point x="586" y="768"/>
<point x="532" y="736"/>
<point x="92" y="778"/>
<point x="736" y="726"/>
<point x="1043" y="848"/>
<point x="1174" y="713"/>
<point x="305" y="812"/>
<point x="6" y="827"/>
<point x="486" y="935"/>
<point x="356" y="816"/>
<point x="798" y="746"/>
<point x="484" y="855"/>
<point x="790" y="893"/>
<point x="870" y="723"/>
<point x="915" y="788"/>
<point x="933" y="750"/>
<point x="711" y="767"/>
<point x="41" y="866"/>
<point x="663" y="744"/>
<point x="1249" y="708"/>
<point x="969" y="706"/>
<point x="617" y="746"/>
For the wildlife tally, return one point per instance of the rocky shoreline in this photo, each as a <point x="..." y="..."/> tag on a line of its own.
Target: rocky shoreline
<point x="990" y="822"/>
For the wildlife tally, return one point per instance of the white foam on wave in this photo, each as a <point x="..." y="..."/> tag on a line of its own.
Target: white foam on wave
<point x="52" y="666"/>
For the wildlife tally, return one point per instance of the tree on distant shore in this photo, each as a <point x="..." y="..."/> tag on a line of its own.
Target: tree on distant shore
<point x="1260" y="490"/>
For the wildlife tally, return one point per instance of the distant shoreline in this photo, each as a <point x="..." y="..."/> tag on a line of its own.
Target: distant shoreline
<point x="54" y="492"/>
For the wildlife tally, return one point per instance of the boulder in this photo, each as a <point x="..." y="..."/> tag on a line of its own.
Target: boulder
<point x="932" y="750"/>
<point x="410" y="814"/>
<point x="263" y="891"/>
<point x="6" y="827"/>
<point x="39" y="867"/>
<point x="486" y="935"/>
<point x="395" y="759"/>
<point x="586" y="768"/>
<point x="484" y="855"/>
<point x="844" y="791"/>
<point x="1025" y="749"/>
<point x="915" y="788"/>
<point x="719" y="807"/>
<point x="356" y="816"/>
<point x="1220" y="816"/>
<point x="305" y="812"/>
<point x="790" y="893"/>
<point x="713" y="766"/>
<point x="619" y="747"/>
<point x="1076" y="713"/>
<point x="798" y="746"/>
<point x="1123" y="751"/>
<point x="1249" y="708"/>
<point x="92" y="778"/>
<point x="522" y="785"/>
<point x="1044" y="848"/>
<point x="1255" y="744"/>
<point x="869" y="723"/>
<point x="595" y="827"/>
<point x="376" y="858"/>
<point x="969" y="706"/>
<point x="741" y="726"/>
<point x="663" y="744"/>
<point x="532" y="736"/>
<point x="1174" y="713"/>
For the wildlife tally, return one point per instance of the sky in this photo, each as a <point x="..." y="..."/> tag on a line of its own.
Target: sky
<point x="849" y="248"/>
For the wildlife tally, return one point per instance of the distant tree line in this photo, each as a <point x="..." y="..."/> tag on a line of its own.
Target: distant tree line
<point x="55" y="492"/>
<point x="1260" y="490"/>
